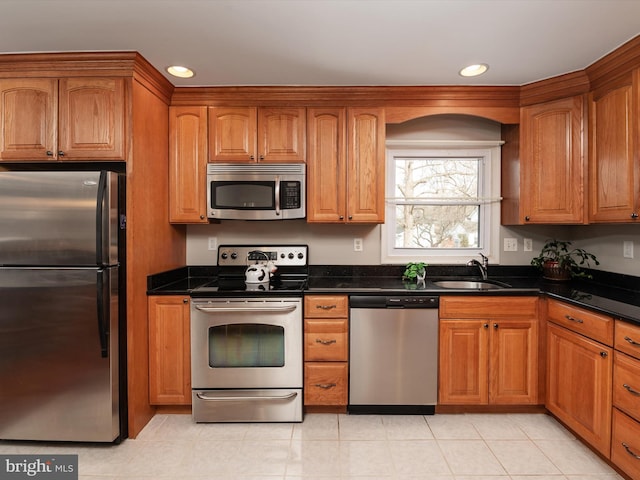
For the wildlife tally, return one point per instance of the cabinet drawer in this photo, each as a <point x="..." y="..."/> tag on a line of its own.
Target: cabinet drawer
<point x="626" y="384"/>
<point x="625" y="444"/>
<point x="627" y="338"/>
<point x="326" y="340"/>
<point x="326" y="306"/>
<point x="590" y="324"/>
<point x="325" y="383"/>
<point x="488" y="307"/>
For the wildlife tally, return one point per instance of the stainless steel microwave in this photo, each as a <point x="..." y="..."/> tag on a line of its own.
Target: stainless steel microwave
<point x="265" y="191"/>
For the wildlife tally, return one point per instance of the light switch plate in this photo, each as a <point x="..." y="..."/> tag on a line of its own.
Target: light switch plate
<point x="510" y="244"/>
<point x="357" y="245"/>
<point x="212" y="243"/>
<point x="527" y="245"/>
<point x="627" y="249"/>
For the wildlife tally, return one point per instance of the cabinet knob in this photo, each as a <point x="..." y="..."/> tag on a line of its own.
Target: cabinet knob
<point x="341" y="217"/>
<point x="634" y="215"/>
<point x="261" y="157"/>
<point x="486" y="325"/>
<point x="60" y="153"/>
<point x="201" y="217"/>
<point x="49" y="153"/>
<point x="251" y="157"/>
<point x="527" y="218"/>
<point x="185" y="300"/>
<point x="350" y="217"/>
<point x="604" y="354"/>
<point x="495" y="325"/>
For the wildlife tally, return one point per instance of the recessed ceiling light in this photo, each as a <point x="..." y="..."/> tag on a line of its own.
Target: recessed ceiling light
<point x="474" y="70"/>
<point x="179" y="71"/>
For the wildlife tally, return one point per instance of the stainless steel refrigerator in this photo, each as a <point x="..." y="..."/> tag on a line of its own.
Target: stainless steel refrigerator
<point x="61" y="315"/>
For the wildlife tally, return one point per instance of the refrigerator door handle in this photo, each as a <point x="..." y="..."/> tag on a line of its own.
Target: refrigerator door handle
<point x="103" y="312"/>
<point x="100" y="230"/>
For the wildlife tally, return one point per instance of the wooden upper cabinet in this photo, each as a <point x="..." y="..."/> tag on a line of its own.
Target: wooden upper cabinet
<point x="66" y="119"/>
<point x="282" y="134"/>
<point x="552" y="163"/>
<point x="614" y="162"/>
<point x="29" y="116"/>
<point x="187" y="164"/>
<point x="247" y="134"/>
<point x="346" y="165"/>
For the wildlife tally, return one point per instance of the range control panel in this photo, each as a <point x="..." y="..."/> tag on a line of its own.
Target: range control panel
<point x="281" y="255"/>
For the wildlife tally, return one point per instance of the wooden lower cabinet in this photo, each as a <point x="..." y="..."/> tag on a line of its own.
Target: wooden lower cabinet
<point x="169" y="350"/>
<point x="326" y="351"/>
<point x="579" y="382"/>
<point x="492" y="359"/>
<point x="625" y="444"/>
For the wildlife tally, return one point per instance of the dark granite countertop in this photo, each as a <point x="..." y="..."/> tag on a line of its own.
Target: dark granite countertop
<point x="613" y="294"/>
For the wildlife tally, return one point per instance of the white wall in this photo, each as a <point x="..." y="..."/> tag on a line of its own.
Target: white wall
<point x="333" y="244"/>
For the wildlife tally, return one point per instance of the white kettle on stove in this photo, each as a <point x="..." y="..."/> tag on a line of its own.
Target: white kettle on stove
<point x="260" y="272"/>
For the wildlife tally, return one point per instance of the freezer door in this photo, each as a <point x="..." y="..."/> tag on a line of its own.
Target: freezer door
<point x="59" y="354"/>
<point x="58" y="218"/>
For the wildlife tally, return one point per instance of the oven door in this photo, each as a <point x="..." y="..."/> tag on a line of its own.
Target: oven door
<point x="246" y="343"/>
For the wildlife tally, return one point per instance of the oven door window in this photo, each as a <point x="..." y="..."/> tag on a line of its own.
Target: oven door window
<point x="246" y="345"/>
<point x="239" y="195"/>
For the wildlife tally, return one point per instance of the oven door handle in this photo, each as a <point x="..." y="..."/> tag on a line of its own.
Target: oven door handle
<point x="227" y="309"/>
<point x="203" y="396"/>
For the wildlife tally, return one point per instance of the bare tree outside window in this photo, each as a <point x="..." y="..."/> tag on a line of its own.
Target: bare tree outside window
<point x="437" y="203"/>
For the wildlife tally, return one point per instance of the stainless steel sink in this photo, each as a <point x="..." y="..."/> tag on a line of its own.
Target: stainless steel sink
<point x="469" y="284"/>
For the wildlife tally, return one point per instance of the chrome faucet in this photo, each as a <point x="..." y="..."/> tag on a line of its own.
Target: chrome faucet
<point x="483" y="266"/>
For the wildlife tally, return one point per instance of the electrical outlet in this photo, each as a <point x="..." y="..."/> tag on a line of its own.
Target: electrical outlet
<point x="213" y="243"/>
<point x="627" y="249"/>
<point x="510" y="244"/>
<point x="527" y="245"/>
<point x="357" y="245"/>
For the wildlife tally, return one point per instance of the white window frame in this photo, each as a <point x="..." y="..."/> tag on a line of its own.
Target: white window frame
<point x="489" y="195"/>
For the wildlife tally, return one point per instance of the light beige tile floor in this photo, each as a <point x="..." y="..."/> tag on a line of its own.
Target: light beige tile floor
<point x="327" y="446"/>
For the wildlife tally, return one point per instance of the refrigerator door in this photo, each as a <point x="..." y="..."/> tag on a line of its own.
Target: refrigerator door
<point x="58" y="218"/>
<point x="59" y="354"/>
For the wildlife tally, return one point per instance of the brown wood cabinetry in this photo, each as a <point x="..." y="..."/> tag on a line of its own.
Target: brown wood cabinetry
<point x="552" y="167"/>
<point x="187" y="164"/>
<point x="247" y="134"/>
<point x="346" y="165"/>
<point x="579" y="376"/>
<point x="169" y="350"/>
<point x="625" y="439"/>
<point x="62" y="119"/>
<point x="326" y="346"/>
<point x="614" y="162"/>
<point x="488" y="351"/>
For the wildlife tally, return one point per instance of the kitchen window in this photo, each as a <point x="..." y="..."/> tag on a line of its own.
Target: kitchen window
<point x="442" y="204"/>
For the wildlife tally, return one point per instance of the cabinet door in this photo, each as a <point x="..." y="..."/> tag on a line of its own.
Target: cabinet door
<point x="464" y="362"/>
<point x="187" y="164"/>
<point x="169" y="351"/>
<point x="326" y="165"/>
<point x="579" y="385"/>
<point x="28" y="119"/>
<point x="552" y="166"/>
<point x="365" y="165"/>
<point x="281" y="135"/>
<point x="92" y="120"/>
<point x="513" y="362"/>
<point x="232" y="134"/>
<point x="613" y="164"/>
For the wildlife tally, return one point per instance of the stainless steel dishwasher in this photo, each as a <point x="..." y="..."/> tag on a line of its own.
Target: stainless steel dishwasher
<point x="393" y="361"/>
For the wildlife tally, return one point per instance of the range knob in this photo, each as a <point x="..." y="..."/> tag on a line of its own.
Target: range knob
<point x="234" y="255"/>
<point x="290" y="255"/>
<point x="224" y="255"/>
<point x="301" y="255"/>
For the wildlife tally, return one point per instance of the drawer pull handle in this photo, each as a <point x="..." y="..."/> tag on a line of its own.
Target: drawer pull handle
<point x="325" y="386"/>
<point x="572" y="319"/>
<point x="326" y="307"/>
<point x="325" y="342"/>
<point x="626" y="447"/>
<point x="632" y="341"/>
<point x="631" y="390"/>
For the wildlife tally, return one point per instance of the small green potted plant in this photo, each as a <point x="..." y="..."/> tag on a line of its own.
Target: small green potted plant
<point x="415" y="272"/>
<point x="558" y="261"/>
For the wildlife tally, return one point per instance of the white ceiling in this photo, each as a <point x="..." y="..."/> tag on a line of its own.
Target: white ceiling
<point x="332" y="42"/>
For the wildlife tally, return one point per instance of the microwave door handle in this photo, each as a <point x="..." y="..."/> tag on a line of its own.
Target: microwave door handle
<point x="277" y="195"/>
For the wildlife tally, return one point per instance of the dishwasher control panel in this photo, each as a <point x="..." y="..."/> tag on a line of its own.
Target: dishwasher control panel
<point x="394" y="301"/>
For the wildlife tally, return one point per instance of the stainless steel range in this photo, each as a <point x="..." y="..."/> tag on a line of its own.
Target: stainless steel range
<point x="247" y="336"/>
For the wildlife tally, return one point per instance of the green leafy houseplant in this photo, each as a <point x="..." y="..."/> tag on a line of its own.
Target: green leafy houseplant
<point x="413" y="270"/>
<point x="558" y="261"/>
